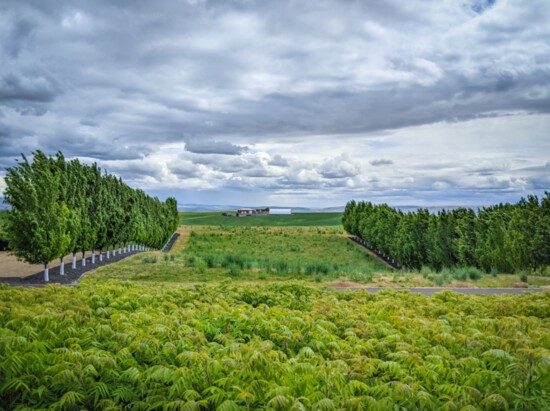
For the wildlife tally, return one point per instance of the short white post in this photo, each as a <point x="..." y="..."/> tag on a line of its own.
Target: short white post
<point x="62" y="267"/>
<point x="46" y="273"/>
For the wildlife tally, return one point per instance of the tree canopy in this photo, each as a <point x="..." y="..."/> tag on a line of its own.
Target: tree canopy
<point x="503" y="237"/>
<point x="60" y="206"/>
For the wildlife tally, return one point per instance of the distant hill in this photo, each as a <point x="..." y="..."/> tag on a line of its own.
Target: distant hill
<point x="217" y="207"/>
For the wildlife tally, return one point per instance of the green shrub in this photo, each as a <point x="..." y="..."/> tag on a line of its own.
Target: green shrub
<point x="523" y="278"/>
<point x="210" y="260"/>
<point x="189" y="260"/>
<point x="460" y="273"/>
<point x="200" y="265"/>
<point x="474" y="273"/>
<point x="281" y="267"/>
<point x="426" y="271"/>
<point x="233" y="270"/>
<point x="149" y="260"/>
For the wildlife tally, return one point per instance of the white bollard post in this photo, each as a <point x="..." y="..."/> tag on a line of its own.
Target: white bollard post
<point x="62" y="267"/>
<point x="74" y="261"/>
<point x="46" y="273"/>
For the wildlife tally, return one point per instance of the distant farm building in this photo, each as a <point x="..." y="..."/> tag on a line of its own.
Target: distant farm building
<point x="280" y="211"/>
<point x="245" y="211"/>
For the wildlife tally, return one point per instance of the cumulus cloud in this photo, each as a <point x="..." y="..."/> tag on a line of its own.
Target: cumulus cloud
<point x="339" y="167"/>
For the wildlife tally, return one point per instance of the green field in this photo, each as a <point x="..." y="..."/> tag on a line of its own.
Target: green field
<point x="297" y="219"/>
<point x="264" y="254"/>
<point x="256" y="253"/>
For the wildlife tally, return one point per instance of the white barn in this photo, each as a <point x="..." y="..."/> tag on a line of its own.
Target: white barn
<point x="280" y="211"/>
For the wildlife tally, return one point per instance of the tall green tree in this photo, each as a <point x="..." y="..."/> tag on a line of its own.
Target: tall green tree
<point x="37" y="224"/>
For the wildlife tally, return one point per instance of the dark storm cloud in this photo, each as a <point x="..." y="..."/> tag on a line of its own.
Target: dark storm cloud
<point x="202" y="146"/>
<point x="381" y="162"/>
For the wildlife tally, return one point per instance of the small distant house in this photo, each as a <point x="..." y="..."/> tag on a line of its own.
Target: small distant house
<point x="280" y="211"/>
<point x="245" y="211"/>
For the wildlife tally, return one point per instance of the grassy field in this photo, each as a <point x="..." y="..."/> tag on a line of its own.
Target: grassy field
<point x="297" y="219"/>
<point x="270" y="254"/>
<point x="254" y="253"/>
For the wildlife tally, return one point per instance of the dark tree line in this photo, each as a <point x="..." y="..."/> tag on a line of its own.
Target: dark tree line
<point x="503" y="237"/>
<point x="60" y="207"/>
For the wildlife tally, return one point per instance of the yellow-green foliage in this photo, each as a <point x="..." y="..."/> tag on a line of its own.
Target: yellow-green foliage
<point x="119" y="345"/>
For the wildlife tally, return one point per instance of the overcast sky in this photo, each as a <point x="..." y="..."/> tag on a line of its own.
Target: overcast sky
<point x="289" y="103"/>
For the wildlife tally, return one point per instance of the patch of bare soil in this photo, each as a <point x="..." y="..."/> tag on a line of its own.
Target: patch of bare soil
<point x="460" y="284"/>
<point x="345" y="284"/>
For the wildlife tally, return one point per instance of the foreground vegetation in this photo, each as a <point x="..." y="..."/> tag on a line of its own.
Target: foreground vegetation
<point x="504" y="238"/>
<point x="119" y="345"/>
<point x="296" y="219"/>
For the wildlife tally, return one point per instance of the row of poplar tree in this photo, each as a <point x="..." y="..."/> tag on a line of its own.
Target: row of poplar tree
<point x="59" y="207"/>
<point x="502" y="238"/>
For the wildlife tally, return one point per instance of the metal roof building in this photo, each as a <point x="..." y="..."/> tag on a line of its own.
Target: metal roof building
<point x="280" y="211"/>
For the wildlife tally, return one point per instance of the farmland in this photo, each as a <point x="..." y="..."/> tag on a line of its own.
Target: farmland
<point x="297" y="219"/>
<point x="240" y="318"/>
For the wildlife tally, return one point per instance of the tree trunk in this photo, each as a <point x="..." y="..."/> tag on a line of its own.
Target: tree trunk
<point x="114" y="252"/>
<point x="120" y="250"/>
<point x="83" y="259"/>
<point x="46" y="273"/>
<point x="108" y="253"/>
<point x="62" y="267"/>
<point x="100" y="257"/>
<point x="74" y="261"/>
<point x="93" y="256"/>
